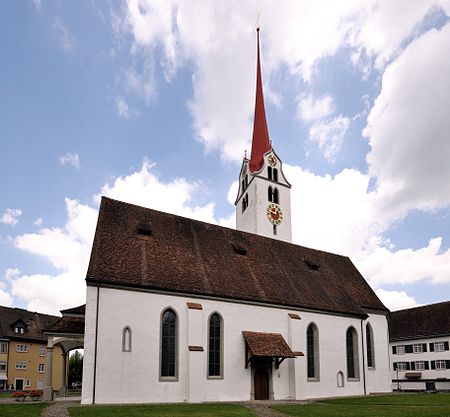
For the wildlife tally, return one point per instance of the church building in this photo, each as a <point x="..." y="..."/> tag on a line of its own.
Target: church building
<point x="179" y="310"/>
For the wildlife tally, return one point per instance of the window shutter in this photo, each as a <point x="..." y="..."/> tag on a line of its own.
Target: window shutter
<point x="413" y="366"/>
<point x="431" y="347"/>
<point x="433" y="364"/>
<point x="424" y="347"/>
<point x="408" y="349"/>
<point x="408" y="367"/>
<point x="447" y="364"/>
<point x="446" y="345"/>
<point x="427" y="365"/>
<point x="394" y="350"/>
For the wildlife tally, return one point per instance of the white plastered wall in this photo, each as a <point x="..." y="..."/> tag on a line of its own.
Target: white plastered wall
<point x="133" y="377"/>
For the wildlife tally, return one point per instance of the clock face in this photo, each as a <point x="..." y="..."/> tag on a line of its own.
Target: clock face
<point x="274" y="214"/>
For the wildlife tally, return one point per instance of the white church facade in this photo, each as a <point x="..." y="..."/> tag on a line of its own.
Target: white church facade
<point x="179" y="310"/>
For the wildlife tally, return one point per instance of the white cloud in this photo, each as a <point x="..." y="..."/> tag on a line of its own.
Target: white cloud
<point x="329" y="135"/>
<point x="408" y="127"/>
<point x="38" y="222"/>
<point x="12" y="273"/>
<point x="71" y="159"/>
<point x="396" y="300"/>
<point x="221" y="46"/>
<point x="11" y="216"/>
<point x="66" y="39"/>
<point x="310" y="108"/>
<point x="124" y="110"/>
<point x="5" y="297"/>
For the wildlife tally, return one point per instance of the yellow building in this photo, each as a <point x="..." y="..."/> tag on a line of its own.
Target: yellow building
<point x="23" y="351"/>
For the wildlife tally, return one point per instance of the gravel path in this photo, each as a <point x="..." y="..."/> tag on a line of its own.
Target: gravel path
<point x="261" y="409"/>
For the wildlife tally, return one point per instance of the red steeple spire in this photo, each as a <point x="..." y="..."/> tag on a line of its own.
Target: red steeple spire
<point x="260" y="142"/>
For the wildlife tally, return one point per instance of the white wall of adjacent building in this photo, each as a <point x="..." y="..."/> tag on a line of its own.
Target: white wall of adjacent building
<point x="428" y="363"/>
<point x="133" y="377"/>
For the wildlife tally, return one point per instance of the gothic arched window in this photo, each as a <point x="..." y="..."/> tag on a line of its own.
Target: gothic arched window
<point x="312" y="349"/>
<point x="276" y="199"/>
<point x="275" y="174"/>
<point x="370" y="347"/>
<point x="270" y="194"/>
<point x="352" y="353"/>
<point x="269" y="173"/>
<point x="215" y="346"/>
<point x="168" y="344"/>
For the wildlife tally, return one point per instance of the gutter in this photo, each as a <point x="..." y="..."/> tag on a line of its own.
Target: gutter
<point x="363" y="361"/>
<point x="96" y="345"/>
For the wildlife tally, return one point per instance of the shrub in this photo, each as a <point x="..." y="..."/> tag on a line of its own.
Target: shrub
<point x="19" y="395"/>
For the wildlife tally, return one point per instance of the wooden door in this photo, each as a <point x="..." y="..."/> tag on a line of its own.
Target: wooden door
<point x="19" y="384"/>
<point x="261" y="384"/>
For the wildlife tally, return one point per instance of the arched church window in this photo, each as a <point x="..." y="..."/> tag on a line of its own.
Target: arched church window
<point x="215" y="346"/>
<point x="126" y="339"/>
<point x="340" y="379"/>
<point x="269" y="173"/>
<point x="270" y="194"/>
<point x="244" y="202"/>
<point x="370" y="347"/>
<point x="168" y="344"/>
<point x="312" y="348"/>
<point x="352" y="353"/>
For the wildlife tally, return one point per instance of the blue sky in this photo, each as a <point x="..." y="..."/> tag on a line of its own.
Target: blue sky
<point x="151" y="102"/>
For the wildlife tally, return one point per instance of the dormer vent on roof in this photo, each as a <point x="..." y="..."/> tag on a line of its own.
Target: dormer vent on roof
<point x="144" y="228"/>
<point x="239" y="248"/>
<point x="311" y="264"/>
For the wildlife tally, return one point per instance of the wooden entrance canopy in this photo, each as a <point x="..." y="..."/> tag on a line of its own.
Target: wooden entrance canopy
<point x="267" y="345"/>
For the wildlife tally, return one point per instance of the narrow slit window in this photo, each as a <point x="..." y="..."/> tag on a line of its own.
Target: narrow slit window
<point x="126" y="339"/>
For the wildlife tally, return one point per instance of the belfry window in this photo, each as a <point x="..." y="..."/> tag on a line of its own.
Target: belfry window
<point x="168" y="344"/>
<point x="244" y="202"/>
<point x="215" y="346"/>
<point x="272" y="195"/>
<point x="272" y="174"/>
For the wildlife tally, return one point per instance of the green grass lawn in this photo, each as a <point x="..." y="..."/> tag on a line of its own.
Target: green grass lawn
<point x="398" y="405"/>
<point x="21" y="409"/>
<point x="5" y="394"/>
<point x="166" y="410"/>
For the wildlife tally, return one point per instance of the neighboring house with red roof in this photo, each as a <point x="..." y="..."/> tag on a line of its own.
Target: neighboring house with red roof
<point x="420" y="354"/>
<point x="181" y="310"/>
<point x="23" y="350"/>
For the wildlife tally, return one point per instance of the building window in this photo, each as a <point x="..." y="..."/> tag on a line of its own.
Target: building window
<point x="41" y="368"/>
<point x="400" y="349"/>
<point x="244" y="202"/>
<point x="126" y="339"/>
<point x="340" y="379"/>
<point x="440" y="365"/>
<point x="402" y="366"/>
<point x="215" y="346"/>
<point x="439" y="347"/>
<point x="312" y="349"/>
<point x="28" y="382"/>
<point x="419" y="366"/>
<point x="269" y="173"/>
<point x="21" y="366"/>
<point x="272" y="174"/>
<point x="3" y="347"/>
<point x="417" y="348"/>
<point x="352" y="354"/>
<point x="41" y="350"/>
<point x="21" y="348"/>
<point x="168" y="344"/>
<point x="19" y="329"/>
<point x="370" y="347"/>
<point x="2" y="366"/>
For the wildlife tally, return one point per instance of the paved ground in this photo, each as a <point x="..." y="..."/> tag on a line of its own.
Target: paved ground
<point x="261" y="409"/>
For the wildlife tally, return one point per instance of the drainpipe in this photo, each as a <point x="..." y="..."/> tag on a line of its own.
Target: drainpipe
<point x="363" y="361"/>
<point x="96" y="344"/>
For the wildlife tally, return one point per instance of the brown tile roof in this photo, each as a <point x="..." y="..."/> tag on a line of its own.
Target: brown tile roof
<point x="34" y="322"/>
<point x="425" y="321"/>
<point x="182" y="255"/>
<point x="267" y="344"/>
<point x="67" y="325"/>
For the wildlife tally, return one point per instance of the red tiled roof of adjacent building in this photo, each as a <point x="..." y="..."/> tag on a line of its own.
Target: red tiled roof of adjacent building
<point x="34" y="323"/>
<point x="186" y="256"/>
<point x="67" y="325"/>
<point x="425" y="321"/>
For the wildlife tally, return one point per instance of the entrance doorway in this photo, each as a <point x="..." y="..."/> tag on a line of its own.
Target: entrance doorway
<point x="19" y="384"/>
<point x="261" y="384"/>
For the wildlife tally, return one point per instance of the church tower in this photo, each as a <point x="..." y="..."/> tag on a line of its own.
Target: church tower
<point x="263" y="204"/>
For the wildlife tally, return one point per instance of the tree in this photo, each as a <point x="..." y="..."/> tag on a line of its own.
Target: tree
<point x="75" y="367"/>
